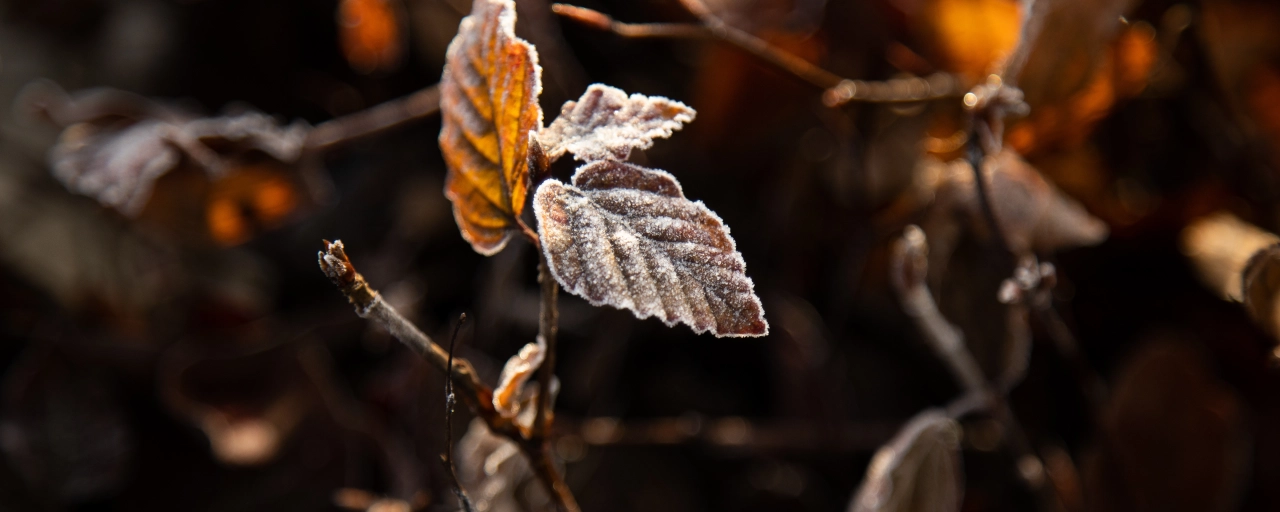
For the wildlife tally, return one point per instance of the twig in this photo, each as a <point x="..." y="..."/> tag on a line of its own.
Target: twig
<point x="908" y="272"/>
<point x="548" y="326"/>
<point x="601" y="21"/>
<point x="373" y="120"/>
<point x="449" y="401"/>
<point x="335" y="264"/>
<point x="368" y="304"/>
<point x="837" y="89"/>
<point x="910" y="267"/>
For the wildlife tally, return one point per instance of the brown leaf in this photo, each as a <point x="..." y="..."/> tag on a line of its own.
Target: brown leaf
<point x="489" y="100"/>
<point x="625" y="236"/>
<point x="514" y="374"/>
<point x="919" y="469"/>
<point x="1223" y="249"/>
<point x="1034" y="215"/>
<point x="605" y="123"/>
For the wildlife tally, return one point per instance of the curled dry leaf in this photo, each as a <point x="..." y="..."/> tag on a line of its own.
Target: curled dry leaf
<point x="1220" y="245"/>
<point x="626" y="236"/>
<point x="1260" y="284"/>
<point x="494" y="473"/>
<point x="489" y="100"/>
<point x="605" y="123"/>
<point x="516" y="372"/>
<point x="918" y="470"/>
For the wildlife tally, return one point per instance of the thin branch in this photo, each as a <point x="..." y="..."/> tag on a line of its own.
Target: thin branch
<point x="368" y="304"/>
<point x="335" y="264"/>
<point x="601" y="21"/>
<point x="374" y="120"/>
<point x="837" y="89"/>
<point x="909" y="267"/>
<point x="449" y="401"/>
<point x="548" y="326"/>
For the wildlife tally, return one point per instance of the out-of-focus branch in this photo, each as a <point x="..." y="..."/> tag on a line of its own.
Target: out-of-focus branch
<point x="374" y="120"/>
<point x="449" y="400"/>
<point x="368" y="304"/>
<point x="909" y="268"/>
<point x="837" y="89"/>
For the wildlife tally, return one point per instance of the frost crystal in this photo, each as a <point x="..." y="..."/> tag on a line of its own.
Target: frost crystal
<point x="626" y="236"/>
<point x="605" y="123"/>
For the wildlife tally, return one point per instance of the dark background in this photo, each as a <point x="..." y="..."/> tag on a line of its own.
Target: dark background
<point x="117" y="337"/>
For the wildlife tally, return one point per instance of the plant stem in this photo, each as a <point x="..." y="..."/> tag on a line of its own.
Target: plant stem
<point x="838" y="90"/>
<point x="368" y="304"/>
<point x="374" y="120"/>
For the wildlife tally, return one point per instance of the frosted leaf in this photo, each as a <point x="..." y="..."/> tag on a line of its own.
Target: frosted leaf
<point x="118" y="162"/>
<point x="605" y="123"/>
<point x="625" y="236"/>
<point x="516" y="372"/>
<point x="919" y="469"/>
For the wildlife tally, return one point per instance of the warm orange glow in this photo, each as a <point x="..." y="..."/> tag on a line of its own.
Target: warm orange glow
<point x="370" y="34"/>
<point x="227" y="225"/>
<point x="973" y="36"/>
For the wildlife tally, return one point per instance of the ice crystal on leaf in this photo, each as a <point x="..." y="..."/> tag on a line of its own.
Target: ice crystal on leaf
<point x="605" y="123"/>
<point x="626" y="236"/>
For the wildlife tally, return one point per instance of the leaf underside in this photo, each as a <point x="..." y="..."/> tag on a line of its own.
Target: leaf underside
<point x="605" y="123"/>
<point x="626" y="236"/>
<point x="489" y="104"/>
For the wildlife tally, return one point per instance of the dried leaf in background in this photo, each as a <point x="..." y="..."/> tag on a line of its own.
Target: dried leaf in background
<point x="1220" y="246"/>
<point x="118" y="162"/>
<point x="1260" y="284"/>
<point x="626" y="236"/>
<point x="372" y="33"/>
<point x="489" y="100"/>
<point x="918" y="470"/>
<point x="605" y="123"/>
<point x="1033" y="214"/>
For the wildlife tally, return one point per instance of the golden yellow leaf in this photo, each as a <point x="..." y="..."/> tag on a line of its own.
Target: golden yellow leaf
<point x="489" y="100"/>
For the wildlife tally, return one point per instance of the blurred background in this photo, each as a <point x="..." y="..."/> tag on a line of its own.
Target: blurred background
<point x="167" y="342"/>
